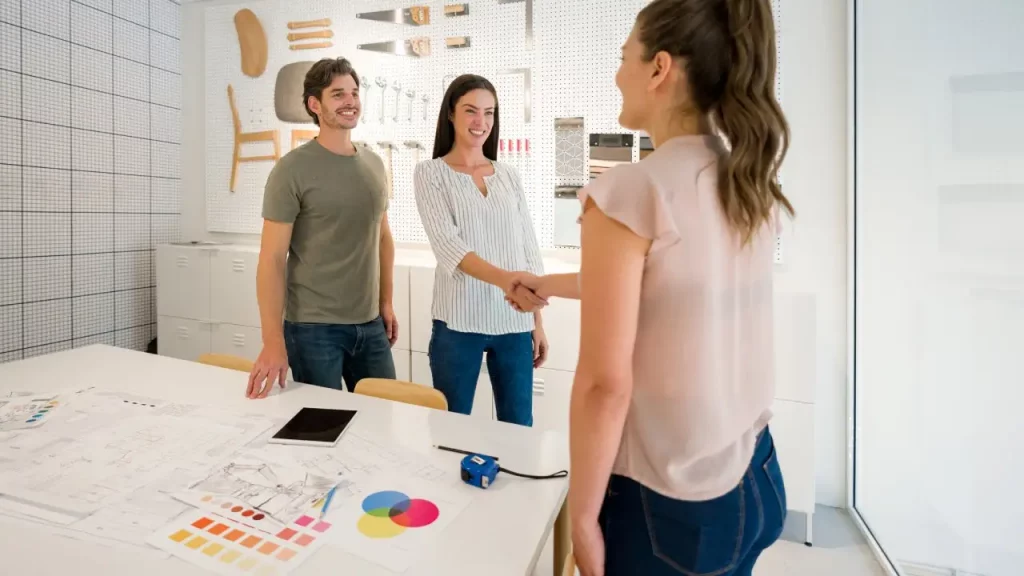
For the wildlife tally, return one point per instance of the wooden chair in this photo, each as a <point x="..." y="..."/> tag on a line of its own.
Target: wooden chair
<point x="565" y="563"/>
<point x="248" y="138"/>
<point x="226" y="361"/>
<point x="303" y="136"/>
<point x="400" y="391"/>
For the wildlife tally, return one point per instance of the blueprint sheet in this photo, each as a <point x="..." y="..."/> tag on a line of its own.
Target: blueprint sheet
<point x="106" y="463"/>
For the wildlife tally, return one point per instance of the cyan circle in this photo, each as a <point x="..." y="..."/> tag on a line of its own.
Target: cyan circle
<point x="384" y="500"/>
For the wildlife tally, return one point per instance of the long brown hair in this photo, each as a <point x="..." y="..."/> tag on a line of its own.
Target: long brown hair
<point x="728" y="50"/>
<point x="444" y="135"/>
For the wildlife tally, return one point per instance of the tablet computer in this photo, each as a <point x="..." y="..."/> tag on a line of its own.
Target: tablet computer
<point x="314" y="427"/>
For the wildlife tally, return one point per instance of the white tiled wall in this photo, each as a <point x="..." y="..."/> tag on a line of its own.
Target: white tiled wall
<point x="90" y="136"/>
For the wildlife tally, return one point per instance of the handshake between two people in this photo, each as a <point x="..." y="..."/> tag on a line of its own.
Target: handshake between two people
<point x="525" y="291"/>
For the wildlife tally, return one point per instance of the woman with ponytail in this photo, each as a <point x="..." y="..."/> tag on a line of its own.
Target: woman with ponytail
<point x="673" y="466"/>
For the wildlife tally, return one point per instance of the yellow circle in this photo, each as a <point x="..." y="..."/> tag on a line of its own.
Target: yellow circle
<point x="376" y="527"/>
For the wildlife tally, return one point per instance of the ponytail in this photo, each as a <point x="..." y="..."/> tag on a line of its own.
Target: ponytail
<point x="749" y="117"/>
<point x="728" y="49"/>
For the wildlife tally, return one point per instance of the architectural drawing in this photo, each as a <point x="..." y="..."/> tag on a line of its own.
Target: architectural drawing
<point x="108" y="448"/>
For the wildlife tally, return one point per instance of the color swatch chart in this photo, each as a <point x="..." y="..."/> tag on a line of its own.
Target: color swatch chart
<point x="233" y="509"/>
<point x="228" y="547"/>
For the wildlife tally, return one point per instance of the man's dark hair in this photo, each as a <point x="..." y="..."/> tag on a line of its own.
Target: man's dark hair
<point x="320" y="77"/>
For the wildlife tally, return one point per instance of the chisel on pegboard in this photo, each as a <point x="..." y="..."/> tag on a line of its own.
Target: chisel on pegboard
<point x="451" y="10"/>
<point x="456" y="42"/>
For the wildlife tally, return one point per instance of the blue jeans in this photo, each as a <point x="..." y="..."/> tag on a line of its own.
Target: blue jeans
<point x="647" y="533"/>
<point x="324" y="354"/>
<point x="455" y="359"/>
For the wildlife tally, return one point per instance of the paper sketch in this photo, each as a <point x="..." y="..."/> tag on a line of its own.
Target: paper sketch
<point x="281" y="492"/>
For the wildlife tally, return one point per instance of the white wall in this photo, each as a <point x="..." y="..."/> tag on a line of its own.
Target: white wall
<point x="814" y="86"/>
<point x="814" y="94"/>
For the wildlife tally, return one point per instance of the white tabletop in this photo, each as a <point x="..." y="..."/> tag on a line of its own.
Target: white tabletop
<point x="501" y="532"/>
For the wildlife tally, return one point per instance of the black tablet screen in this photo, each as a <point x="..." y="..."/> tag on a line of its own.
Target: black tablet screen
<point x="316" y="425"/>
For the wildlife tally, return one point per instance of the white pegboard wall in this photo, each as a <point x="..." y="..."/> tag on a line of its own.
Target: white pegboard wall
<point x="572" y="75"/>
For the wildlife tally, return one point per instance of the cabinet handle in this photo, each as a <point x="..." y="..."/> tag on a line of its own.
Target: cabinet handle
<point x="538" y="387"/>
<point x="238" y="340"/>
<point x="238" y="265"/>
<point x="182" y="261"/>
<point x="182" y="333"/>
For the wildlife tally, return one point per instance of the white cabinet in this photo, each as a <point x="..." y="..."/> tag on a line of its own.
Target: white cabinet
<point x="403" y="364"/>
<point x="561" y="319"/>
<point x="421" y="294"/>
<point x="183" y="282"/>
<point x="552" y="390"/>
<point x="183" y="338"/>
<point x="792" y="429"/>
<point x="244" y="341"/>
<point x="233" y="287"/>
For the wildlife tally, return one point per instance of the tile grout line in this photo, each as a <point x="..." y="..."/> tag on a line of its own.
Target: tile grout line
<point x="71" y="192"/>
<point x="149" y="132"/>
<point x="21" y="170"/>
<point x="113" y="194"/>
<point x="90" y="89"/>
<point x="87" y="47"/>
<point x="93" y="130"/>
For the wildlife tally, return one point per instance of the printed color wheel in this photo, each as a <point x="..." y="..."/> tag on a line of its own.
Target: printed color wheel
<point x="389" y="513"/>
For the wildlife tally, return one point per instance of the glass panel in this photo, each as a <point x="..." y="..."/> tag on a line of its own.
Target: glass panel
<point x="940" y="283"/>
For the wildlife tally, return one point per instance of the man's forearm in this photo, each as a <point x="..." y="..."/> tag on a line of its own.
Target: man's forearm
<point x="270" y="290"/>
<point x="387" y="269"/>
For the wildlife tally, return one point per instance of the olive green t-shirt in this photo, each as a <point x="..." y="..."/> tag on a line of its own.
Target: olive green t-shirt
<point x="336" y="204"/>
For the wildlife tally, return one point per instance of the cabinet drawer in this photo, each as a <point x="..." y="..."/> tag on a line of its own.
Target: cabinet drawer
<point x="792" y="428"/>
<point x="182" y="338"/>
<point x="183" y="282"/>
<point x="243" y="341"/>
<point x="233" y="287"/>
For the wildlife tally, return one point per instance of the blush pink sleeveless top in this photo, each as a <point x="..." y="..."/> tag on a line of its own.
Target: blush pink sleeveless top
<point x="703" y="372"/>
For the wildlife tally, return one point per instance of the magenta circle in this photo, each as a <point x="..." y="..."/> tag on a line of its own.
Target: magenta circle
<point x="419" y="513"/>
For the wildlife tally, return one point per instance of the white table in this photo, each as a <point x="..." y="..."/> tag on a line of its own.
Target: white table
<point x="501" y="532"/>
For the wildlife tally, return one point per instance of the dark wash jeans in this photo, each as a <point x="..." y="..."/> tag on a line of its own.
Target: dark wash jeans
<point x="324" y="354"/>
<point x="647" y="533"/>
<point x="455" y="368"/>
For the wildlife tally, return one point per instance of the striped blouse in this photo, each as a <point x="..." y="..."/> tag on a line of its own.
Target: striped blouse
<point x="458" y="219"/>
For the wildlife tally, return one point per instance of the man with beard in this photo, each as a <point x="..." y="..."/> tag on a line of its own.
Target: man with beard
<point x="326" y="255"/>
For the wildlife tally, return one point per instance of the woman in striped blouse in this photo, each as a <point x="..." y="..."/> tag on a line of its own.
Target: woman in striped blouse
<point x="474" y="212"/>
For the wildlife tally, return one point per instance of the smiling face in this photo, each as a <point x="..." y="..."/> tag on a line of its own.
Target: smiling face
<point x="473" y="117"/>
<point x="338" y="106"/>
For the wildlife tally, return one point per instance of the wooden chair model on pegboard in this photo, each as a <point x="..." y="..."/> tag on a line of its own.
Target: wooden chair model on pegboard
<point x="248" y="138"/>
